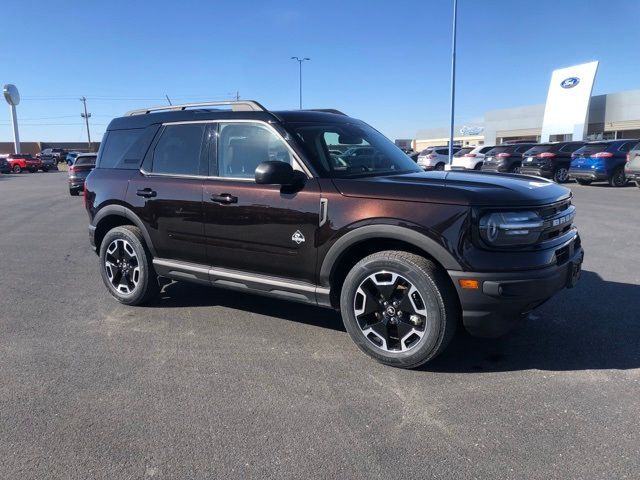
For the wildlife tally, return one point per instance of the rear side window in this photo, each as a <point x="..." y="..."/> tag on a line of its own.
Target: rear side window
<point x="442" y="151"/>
<point x="179" y="150"/>
<point x="125" y="149"/>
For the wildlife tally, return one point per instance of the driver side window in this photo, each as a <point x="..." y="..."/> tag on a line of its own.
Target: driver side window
<point x="243" y="146"/>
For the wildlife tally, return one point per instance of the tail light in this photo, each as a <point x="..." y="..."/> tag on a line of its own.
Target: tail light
<point x="503" y="155"/>
<point x="546" y="155"/>
<point x="603" y="155"/>
<point x="70" y="168"/>
<point x="469" y="154"/>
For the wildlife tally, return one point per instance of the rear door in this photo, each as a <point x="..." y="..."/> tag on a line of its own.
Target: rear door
<point x="265" y="229"/>
<point x="167" y="192"/>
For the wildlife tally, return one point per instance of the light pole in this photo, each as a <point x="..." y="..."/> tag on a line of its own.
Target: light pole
<point x="300" y="60"/>
<point x="453" y="79"/>
<point x="86" y="116"/>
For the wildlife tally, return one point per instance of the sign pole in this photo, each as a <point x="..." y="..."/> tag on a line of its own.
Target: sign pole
<point x="453" y="79"/>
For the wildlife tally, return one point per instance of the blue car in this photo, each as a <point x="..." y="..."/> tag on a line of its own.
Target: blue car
<point x="601" y="161"/>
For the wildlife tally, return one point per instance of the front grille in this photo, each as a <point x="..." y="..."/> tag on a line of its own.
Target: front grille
<point x="558" y="220"/>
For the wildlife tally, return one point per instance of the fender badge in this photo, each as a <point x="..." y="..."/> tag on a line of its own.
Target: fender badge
<point x="297" y="237"/>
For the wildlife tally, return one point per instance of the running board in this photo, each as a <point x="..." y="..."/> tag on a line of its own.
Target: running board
<point x="248" y="282"/>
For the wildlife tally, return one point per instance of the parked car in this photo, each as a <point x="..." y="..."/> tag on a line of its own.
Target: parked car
<point x="505" y="158"/>
<point x="24" y="161"/>
<point x="413" y="156"/>
<point x="632" y="167"/>
<point x="56" y="155"/>
<point x="470" y="160"/>
<point x="601" y="161"/>
<point x="82" y="166"/>
<point x="380" y="242"/>
<point x="71" y="157"/>
<point x="435" y="158"/>
<point x="4" y="165"/>
<point x="550" y="160"/>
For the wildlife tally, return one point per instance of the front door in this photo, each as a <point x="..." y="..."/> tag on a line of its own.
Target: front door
<point x="262" y="229"/>
<point x="168" y="197"/>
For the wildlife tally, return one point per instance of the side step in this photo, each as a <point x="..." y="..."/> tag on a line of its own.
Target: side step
<point x="244" y="281"/>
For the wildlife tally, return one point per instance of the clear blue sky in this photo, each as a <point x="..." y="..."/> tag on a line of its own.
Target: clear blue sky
<point x="384" y="62"/>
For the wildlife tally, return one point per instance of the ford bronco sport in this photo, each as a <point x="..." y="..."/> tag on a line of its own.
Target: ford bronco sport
<point x="231" y="195"/>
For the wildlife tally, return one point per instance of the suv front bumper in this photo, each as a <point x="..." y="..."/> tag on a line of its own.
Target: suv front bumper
<point x="502" y="299"/>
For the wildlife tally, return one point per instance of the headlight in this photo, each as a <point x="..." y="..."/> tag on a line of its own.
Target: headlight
<point x="501" y="229"/>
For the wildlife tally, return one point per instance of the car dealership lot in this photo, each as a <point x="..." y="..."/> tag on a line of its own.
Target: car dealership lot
<point x="209" y="383"/>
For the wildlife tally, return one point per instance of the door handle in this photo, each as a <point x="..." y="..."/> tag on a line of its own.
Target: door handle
<point x="224" y="198"/>
<point x="146" y="193"/>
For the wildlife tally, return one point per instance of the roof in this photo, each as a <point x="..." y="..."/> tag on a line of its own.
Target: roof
<point x="179" y="113"/>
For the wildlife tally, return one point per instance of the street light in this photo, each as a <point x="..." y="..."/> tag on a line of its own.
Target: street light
<point x="300" y="60"/>
<point x="453" y="79"/>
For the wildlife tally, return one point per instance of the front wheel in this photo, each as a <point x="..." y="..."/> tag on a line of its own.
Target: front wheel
<point x="126" y="266"/>
<point x="582" y="181"/>
<point x="561" y="175"/>
<point x="17" y="169"/>
<point x="399" y="308"/>
<point x="618" y="179"/>
<point x="440" y="167"/>
<point x="515" y="168"/>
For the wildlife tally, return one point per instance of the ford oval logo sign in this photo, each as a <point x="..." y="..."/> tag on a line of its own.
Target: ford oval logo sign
<point x="570" y="82"/>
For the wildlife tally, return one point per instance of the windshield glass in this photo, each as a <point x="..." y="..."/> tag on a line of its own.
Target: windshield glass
<point x="366" y="151"/>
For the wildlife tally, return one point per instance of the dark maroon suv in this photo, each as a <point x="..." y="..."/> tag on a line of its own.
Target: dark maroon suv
<point x="231" y="195"/>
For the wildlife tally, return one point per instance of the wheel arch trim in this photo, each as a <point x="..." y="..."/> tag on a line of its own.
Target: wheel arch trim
<point x="122" y="211"/>
<point x="390" y="232"/>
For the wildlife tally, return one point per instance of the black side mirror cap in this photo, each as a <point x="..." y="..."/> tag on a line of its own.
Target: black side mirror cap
<point x="274" y="173"/>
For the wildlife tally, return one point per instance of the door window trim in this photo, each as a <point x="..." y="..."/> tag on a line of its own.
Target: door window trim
<point x="296" y="158"/>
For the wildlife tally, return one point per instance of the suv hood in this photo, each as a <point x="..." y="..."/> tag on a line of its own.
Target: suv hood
<point x="458" y="188"/>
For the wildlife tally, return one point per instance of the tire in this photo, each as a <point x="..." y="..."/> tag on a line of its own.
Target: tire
<point x="74" y="193"/>
<point x="125" y="244"/>
<point x="582" y="181"/>
<point x="33" y="170"/>
<point x="435" y="308"/>
<point x="478" y="166"/>
<point x="45" y="169"/>
<point x="439" y="166"/>
<point x="515" y="168"/>
<point x="561" y="174"/>
<point x="618" y="179"/>
<point x="17" y="169"/>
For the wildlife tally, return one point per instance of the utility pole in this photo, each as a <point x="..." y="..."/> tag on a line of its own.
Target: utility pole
<point x="300" y="60"/>
<point x="237" y="95"/>
<point x="86" y="116"/>
<point x="168" y="99"/>
<point x="453" y="79"/>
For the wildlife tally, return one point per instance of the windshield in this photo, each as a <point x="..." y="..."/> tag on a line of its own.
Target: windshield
<point x="366" y="151"/>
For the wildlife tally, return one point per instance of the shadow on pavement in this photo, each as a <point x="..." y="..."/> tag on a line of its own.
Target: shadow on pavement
<point x="593" y="326"/>
<point x="182" y="294"/>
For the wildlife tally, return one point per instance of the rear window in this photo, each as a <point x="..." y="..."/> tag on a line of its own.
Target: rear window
<point x="591" y="148"/>
<point x="85" y="160"/>
<point x="501" y="149"/>
<point x="570" y="147"/>
<point x="539" y="149"/>
<point x="462" y="152"/>
<point x="125" y="149"/>
<point x="485" y="149"/>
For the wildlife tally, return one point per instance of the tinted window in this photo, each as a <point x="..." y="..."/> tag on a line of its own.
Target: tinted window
<point x="570" y="147"/>
<point x="85" y="160"/>
<point x="627" y="146"/>
<point x="124" y="148"/>
<point x="591" y="148"/>
<point x="522" y="148"/>
<point x="442" y="151"/>
<point x="485" y="149"/>
<point x="179" y="150"/>
<point x="539" y="149"/>
<point x="500" y="149"/>
<point x="244" y="146"/>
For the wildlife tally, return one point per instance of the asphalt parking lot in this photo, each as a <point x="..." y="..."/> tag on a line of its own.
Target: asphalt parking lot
<point x="207" y="383"/>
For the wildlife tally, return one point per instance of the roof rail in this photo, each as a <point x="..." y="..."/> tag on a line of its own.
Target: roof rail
<point x="327" y="110"/>
<point x="236" y="106"/>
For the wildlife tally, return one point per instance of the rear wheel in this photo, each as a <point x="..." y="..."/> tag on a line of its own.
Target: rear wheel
<point x="561" y="175"/>
<point x="17" y="169"/>
<point x="126" y="266"/>
<point x="399" y="308"/>
<point x="618" y="179"/>
<point x="478" y="166"/>
<point x="582" y="181"/>
<point x="74" y="193"/>
<point x="440" y="166"/>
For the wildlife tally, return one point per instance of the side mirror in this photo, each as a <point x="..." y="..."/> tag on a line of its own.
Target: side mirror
<point x="274" y="173"/>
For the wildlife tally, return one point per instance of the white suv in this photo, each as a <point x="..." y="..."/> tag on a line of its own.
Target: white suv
<point x="470" y="160"/>
<point x="435" y="158"/>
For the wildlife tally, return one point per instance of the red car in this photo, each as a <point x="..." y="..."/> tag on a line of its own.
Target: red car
<point x="24" y="161"/>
